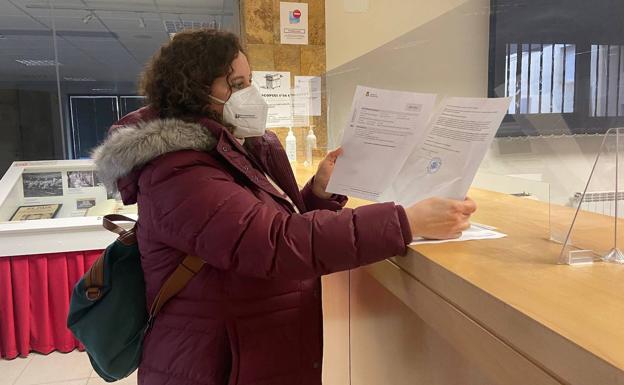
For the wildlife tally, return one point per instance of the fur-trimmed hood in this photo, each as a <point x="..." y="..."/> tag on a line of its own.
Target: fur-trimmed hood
<point x="132" y="146"/>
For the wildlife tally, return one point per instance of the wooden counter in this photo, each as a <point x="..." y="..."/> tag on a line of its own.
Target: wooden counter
<point x="480" y="312"/>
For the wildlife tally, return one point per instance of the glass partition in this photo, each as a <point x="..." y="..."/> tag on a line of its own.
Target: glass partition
<point x="69" y="69"/>
<point x="560" y="63"/>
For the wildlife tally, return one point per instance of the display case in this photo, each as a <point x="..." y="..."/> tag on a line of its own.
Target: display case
<point x="55" y="206"/>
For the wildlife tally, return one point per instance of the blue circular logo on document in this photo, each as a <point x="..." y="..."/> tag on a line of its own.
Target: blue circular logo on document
<point x="434" y="165"/>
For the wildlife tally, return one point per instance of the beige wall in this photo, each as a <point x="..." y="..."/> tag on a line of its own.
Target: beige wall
<point x="353" y="34"/>
<point x="260" y="31"/>
<point x="441" y="47"/>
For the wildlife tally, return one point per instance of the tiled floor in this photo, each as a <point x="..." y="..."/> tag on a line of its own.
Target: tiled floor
<point x="54" y="369"/>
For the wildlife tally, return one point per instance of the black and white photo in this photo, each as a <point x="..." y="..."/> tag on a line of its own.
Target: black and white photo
<point x="80" y="179"/>
<point x="84" y="204"/>
<point x="42" y="184"/>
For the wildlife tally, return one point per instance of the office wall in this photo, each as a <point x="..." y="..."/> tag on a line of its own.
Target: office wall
<point x="440" y="47"/>
<point x="260" y="31"/>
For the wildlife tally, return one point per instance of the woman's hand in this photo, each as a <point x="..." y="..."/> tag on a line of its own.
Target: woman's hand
<point x="437" y="218"/>
<point x="324" y="172"/>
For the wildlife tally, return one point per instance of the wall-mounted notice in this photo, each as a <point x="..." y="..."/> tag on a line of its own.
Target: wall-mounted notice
<point x="293" y="23"/>
<point x="275" y="89"/>
<point x="308" y="94"/>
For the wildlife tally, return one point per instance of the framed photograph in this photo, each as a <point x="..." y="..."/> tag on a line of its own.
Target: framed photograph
<point x="29" y="213"/>
<point x="42" y="184"/>
<point x="85" y="203"/>
<point x="80" y="179"/>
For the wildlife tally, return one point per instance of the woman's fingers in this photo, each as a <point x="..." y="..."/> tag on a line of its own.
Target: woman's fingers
<point x="333" y="155"/>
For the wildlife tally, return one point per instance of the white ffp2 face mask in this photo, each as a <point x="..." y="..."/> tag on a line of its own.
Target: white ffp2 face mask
<point x="247" y="111"/>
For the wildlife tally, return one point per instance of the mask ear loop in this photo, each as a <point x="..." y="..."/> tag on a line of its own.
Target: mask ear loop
<point x="221" y="101"/>
<point x="216" y="99"/>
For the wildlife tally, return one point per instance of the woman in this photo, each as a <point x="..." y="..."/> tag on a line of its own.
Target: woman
<point x="209" y="181"/>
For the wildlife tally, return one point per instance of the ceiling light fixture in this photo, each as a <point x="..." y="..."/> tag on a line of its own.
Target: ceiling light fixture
<point x="38" y="62"/>
<point x="175" y="26"/>
<point x="74" y="79"/>
<point x="88" y="17"/>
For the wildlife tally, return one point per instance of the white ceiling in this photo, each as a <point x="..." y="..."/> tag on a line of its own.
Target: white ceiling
<point x="112" y="47"/>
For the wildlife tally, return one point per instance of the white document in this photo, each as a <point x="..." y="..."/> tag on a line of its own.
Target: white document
<point x="439" y="158"/>
<point x="475" y="232"/>
<point x="382" y="132"/>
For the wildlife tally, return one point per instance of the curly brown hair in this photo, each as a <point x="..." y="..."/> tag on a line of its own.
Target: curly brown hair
<point x="177" y="79"/>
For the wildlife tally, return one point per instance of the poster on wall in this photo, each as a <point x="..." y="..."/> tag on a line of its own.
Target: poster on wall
<point x="293" y="23"/>
<point x="308" y="94"/>
<point x="301" y="107"/>
<point x="275" y="89"/>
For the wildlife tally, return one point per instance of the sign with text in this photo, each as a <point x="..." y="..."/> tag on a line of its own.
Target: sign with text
<point x="293" y="23"/>
<point x="275" y="89"/>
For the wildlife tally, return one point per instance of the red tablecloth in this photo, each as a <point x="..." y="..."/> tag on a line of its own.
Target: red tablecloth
<point x="34" y="300"/>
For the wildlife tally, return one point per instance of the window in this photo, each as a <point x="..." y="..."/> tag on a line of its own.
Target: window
<point x="128" y="104"/>
<point x="92" y="116"/>
<point x="540" y="78"/>
<point x="607" y="88"/>
<point x="561" y="62"/>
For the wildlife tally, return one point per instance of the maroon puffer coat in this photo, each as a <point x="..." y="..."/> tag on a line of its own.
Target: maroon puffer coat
<point x="253" y="314"/>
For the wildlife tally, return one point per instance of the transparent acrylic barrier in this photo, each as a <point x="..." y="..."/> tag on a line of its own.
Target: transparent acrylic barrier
<point x="594" y="223"/>
<point x="297" y="115"/>
<point x="565" y="83"/>
<point x="562" y="64"/>
<point x="523" y="187"/>
<point x="518" y="186"/>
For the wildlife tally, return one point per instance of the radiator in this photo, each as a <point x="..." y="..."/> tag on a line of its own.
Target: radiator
<point x="601" y="202"/>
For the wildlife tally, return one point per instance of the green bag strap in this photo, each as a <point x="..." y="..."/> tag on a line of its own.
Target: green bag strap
<point x="187" y="269"/>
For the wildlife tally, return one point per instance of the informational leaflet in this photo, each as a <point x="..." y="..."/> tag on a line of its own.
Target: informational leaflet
<point x="275" y="89"/>
<point x="308" y="95"/>
<point x="391" y="155"/>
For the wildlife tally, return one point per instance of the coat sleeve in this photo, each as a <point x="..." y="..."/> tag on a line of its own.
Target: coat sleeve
<point x="312" y="202"/>
<point x="228" y="226"/>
